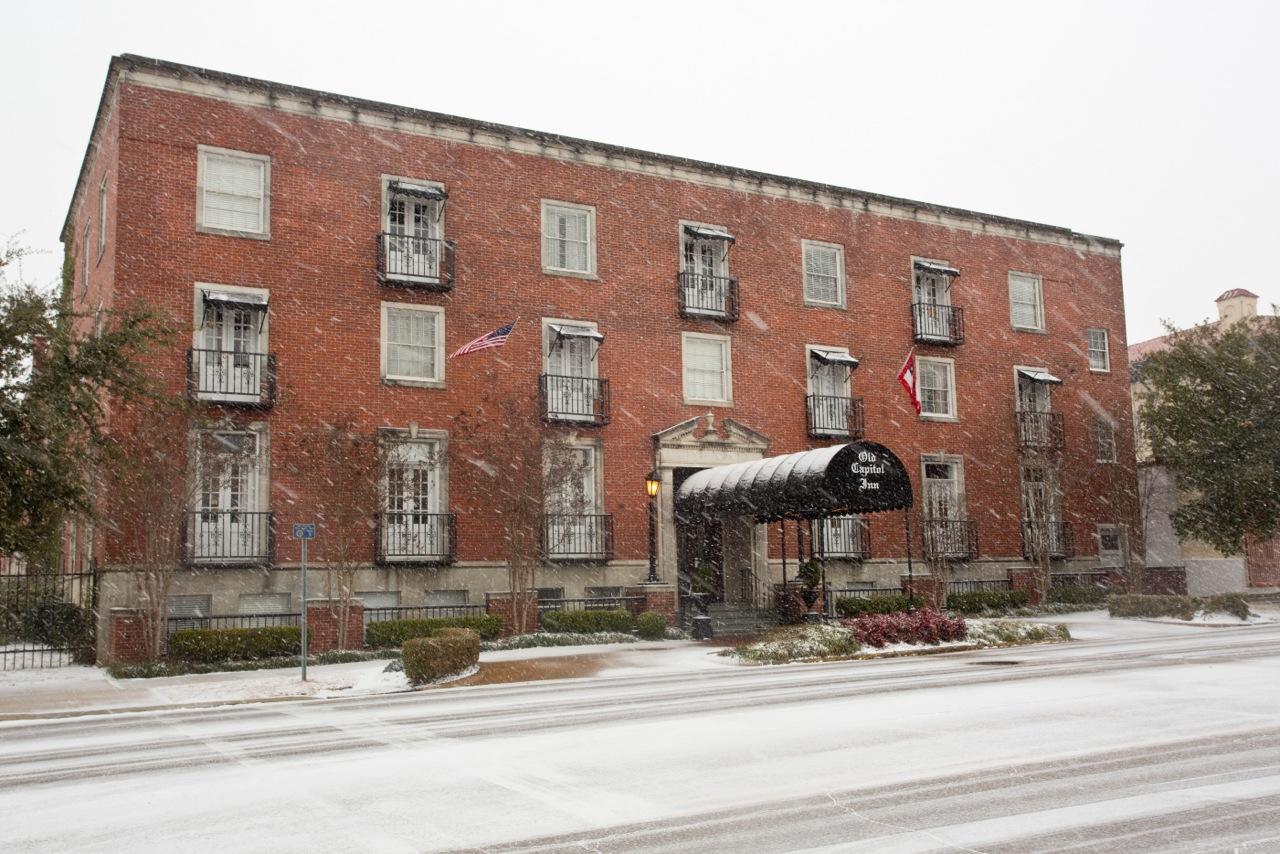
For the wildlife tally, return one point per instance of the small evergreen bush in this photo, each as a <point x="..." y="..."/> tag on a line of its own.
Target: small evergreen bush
<point x="651" y="626"/>
<point x="1134" y="605"/>
<point x="587" y="622"/>
<point x="445" y="653"/>
<point x="212" y="645"/>
<point x="1228" y="603"/>
<point x="854" y="606"/>
<point x="393" y="633"/>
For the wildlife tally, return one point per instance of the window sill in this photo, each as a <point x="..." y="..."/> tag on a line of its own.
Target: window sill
<point x="692" y="401"/>
<point x="571" y="274"/>
<point x="412" y="383"/>
<point x="1099" y="370"/>
<point x="231" y="232"/>
<point x="809" y="303"/>
<point x="945" y="419"/>
<point x="1032" y="329"/>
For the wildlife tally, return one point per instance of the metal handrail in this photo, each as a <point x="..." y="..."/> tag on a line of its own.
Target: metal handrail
<point x="1061" y="543"/>
<point x="580" y="400"/>
<point x="950" y="539"/>
<point x="706" y="296"/>
<point x="226" y="376"/>
<point x="229" y="537"/>
<point x="413" y="537"/>
<point x="577" y="536"/>
<point x="932" y="323"/>
<point x="425" y="262"/>
<point x="832" y="415"/>
<point x="1039" y="430"/>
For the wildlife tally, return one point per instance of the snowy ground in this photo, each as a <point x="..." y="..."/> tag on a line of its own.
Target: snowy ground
<point x="1165" y="737"/>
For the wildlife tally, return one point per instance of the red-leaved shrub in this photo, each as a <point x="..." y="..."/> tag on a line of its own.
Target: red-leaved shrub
<point x="923" y="626"/>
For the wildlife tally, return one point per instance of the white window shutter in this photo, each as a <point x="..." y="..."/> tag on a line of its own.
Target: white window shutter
<point x="233" y="192"/>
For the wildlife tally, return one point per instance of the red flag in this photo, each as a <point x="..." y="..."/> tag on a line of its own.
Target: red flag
<point x="907" y="376"/>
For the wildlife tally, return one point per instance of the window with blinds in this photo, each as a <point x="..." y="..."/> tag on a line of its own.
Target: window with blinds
<point x="1026" y="301"/>
<point x="937" y="388"/>
<point x="823" y="274"/>
<point x="233" y="192"/>
<point x="568" y="238"/>
<point x="1099" y="351"/>
<point x="1104" y="440"/>
<point x="258" y="604"/>
<point x="412" y="343"/>
<point x="707" y="368"/>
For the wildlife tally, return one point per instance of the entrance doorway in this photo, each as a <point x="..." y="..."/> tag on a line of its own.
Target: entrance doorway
<point x="699" y="547"/>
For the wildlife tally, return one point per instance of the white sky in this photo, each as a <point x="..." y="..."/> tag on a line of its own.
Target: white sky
<point x="1155" y="123"/>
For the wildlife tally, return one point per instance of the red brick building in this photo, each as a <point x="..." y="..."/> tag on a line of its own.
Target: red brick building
<point x="325" y="254"/>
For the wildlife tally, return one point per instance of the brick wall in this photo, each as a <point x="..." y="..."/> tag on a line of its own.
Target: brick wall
<point x="504" y="605"/>
<point x="323" y="620"/>
<point x="128" y="639"/>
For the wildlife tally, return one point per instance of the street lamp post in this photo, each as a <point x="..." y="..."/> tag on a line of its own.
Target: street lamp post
<point x="652" y="484"/>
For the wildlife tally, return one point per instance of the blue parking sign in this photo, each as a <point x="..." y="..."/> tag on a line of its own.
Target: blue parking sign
<point x="304" y="532"/>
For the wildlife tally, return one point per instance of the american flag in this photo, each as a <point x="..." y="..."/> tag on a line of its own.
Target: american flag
<point x="496" y="338"/>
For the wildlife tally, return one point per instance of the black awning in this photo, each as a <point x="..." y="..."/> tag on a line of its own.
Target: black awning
<point x="833" y="357"/>
<point x="421" y="191"/>
<point x="1038" y="376"/>
<point x="567" y="331"/>
<point x="860" y="477"/>
<point x="937" y="269"/>
<point x="224" y="299"/>
<point x="706" y="232"/>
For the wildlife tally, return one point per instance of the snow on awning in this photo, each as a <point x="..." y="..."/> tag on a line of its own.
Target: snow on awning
<point x="937" y="269"/>
<point x="1037" y="375"/>
<point x="250" y="302"/>
<point x="421" y="191"/>
<point x="859" y="477"/>
<point x="566" y="331"/>
<point x="706" y="232"/>
<point x="833" y="357"/>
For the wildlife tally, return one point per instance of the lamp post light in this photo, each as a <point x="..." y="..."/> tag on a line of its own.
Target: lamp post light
<point x="652" y="483"/>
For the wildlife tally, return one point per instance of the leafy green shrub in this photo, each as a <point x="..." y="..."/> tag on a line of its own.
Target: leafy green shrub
<point x="445" y="653"/>
<point x="585" y="622"/>
<point x="1134" y="605"/>
<point x="387" y="634"/>
<point x="549" y="639"/>
<point x="211" y="645"/>
<point x="651" y="626"/>
<point x="978" y="601"/>
<point x="1079" y="594"/>
<point x="1228" y="603"/>
<point x="799" y="643"/>
<point x="1007" y="633"/>
<point x="855" y="606"/>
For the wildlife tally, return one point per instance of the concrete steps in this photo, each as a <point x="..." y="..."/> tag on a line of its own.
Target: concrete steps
<point x="729" y="619"/>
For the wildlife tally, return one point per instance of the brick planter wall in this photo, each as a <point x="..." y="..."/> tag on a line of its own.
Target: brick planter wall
<point x="501" y="605"/>
<point x="1165" y="581"/>
<point x="926" y="587"/>
<point x="658" y="598"/>
<point x="128" y="639"/>
<point x="1025" y="579"/>
<point x="322" y="626"/>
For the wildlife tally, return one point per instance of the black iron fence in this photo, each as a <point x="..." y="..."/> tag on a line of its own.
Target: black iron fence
<point x="950" y="539"/>
<point x="1081" y="579"/>
<point x="708" y="296"/>
<point x="830" y="415"/>
<point x="937" y="324"/>
<point x="1054" y="536"/>
<point x="978" y="585"/>
<point x="420" y="612"/>
<point x="832" y="595"/>
<point x="223" y="376"/>
<point x="841" y="538"/>
<point x="1039" y="430"/>
<point x="411" y="537"/>
<point x="634" y="604"/>
<point x="231" y="621"/>
<point x="415" y="261"/>
<point x="46" y="619"/>
<point x="581" y="400"/>
<point x="230" y="537"/>
<point x="577" y="536"/>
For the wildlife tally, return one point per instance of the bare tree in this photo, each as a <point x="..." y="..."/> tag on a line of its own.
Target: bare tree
<point x="1042" y="517"/>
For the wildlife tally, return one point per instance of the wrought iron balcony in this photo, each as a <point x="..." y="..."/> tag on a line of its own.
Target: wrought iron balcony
<point x="834" y="416"/>
<point x="580" y="537"/>
<point x="1040" y="431"/>
<point x="416" y="538"/>
<point x="841" y="538"/>
<point x="222" y="376"/>
<point x="230" y="537"/>
<point x="1054" y="536"/>
<point x="415" y="262"/>
<point x="709" y="297"/>
<point x="577" y="400"/>
<point x="937" y="324"/>
<point x="950" y="539"/>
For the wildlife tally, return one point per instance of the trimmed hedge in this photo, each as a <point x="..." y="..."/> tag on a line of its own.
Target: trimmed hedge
<point x="1133" y="605"/>
<point x="1079" y="594"/>
<point x="978" y="601"/>
<point x="1227" y="603"/>
<point x="651" y="626"/>
<point x="925" y="626"/>
<point x="210" y="645"/>
<point x="393" y="633"/>
<point x="445" y="653"/>
<point x="587" y="622"/>
<point x="855" y="606"/>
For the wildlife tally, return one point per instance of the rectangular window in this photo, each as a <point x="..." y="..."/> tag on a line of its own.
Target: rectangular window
<point x="413" y="344"/>
<point x="380" y="599"/>
<point x="1104" y="440"/>
<point x="823" y="274"/>
<point x="84" y="263"/>
<point x="937" y="388"/>
<point x="190" y="606"/>
<point x="228" y="522"/>
<point x="1110" y="545"/>
<point x="1099" y="350"/>
<point x="707" y="369"/>
<point x="415" y="525"/>
<point x="261" y="604"/>
<point x="233" y="194"/>
<point x="943" y="487"/>
<point x="568" y="238"/>
<point x="446" y="598"/>
<point x="102" y="216"/>
<point x="1026" y="301"/>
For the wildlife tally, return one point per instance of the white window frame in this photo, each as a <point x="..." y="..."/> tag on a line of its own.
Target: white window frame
<point x="436" y="381"/>
<point x="277" y="595"/>
<point x="1100" y="421"/>
<point x="549" y="337"/>
<point x="956" y="461"/>
<point x="197" y="333"/>
<point x="808" y="366"/>
<point x="1039" y="283"/>
<point x="202" y="153"/>
<point x="547" y="267"/>
<point x="102" y="217"/>
<point x="727" y="371"/>
<point x="1105" y="554"/>
<point x="384" y="222"/>
<point x="953" y="414"/>
<point x="1106" y="350"/>
<point x="596" y="447"/>
<point x="84" y="255"/>
<point x="841" y="298"/>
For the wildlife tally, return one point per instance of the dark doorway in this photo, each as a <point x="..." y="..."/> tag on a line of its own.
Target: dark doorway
<point x="699" y="547"/>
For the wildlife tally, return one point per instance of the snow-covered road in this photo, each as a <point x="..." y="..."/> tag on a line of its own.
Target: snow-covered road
<point x="1169" y="737"/>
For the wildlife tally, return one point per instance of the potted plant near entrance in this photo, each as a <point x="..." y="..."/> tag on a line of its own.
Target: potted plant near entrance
<point x="810" y="578"/>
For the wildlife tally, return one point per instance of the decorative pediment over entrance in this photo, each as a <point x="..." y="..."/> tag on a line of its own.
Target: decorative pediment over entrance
<point x="702" y="430"/>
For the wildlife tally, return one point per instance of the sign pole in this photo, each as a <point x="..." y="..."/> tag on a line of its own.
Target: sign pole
<point x="304" y="610"/>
